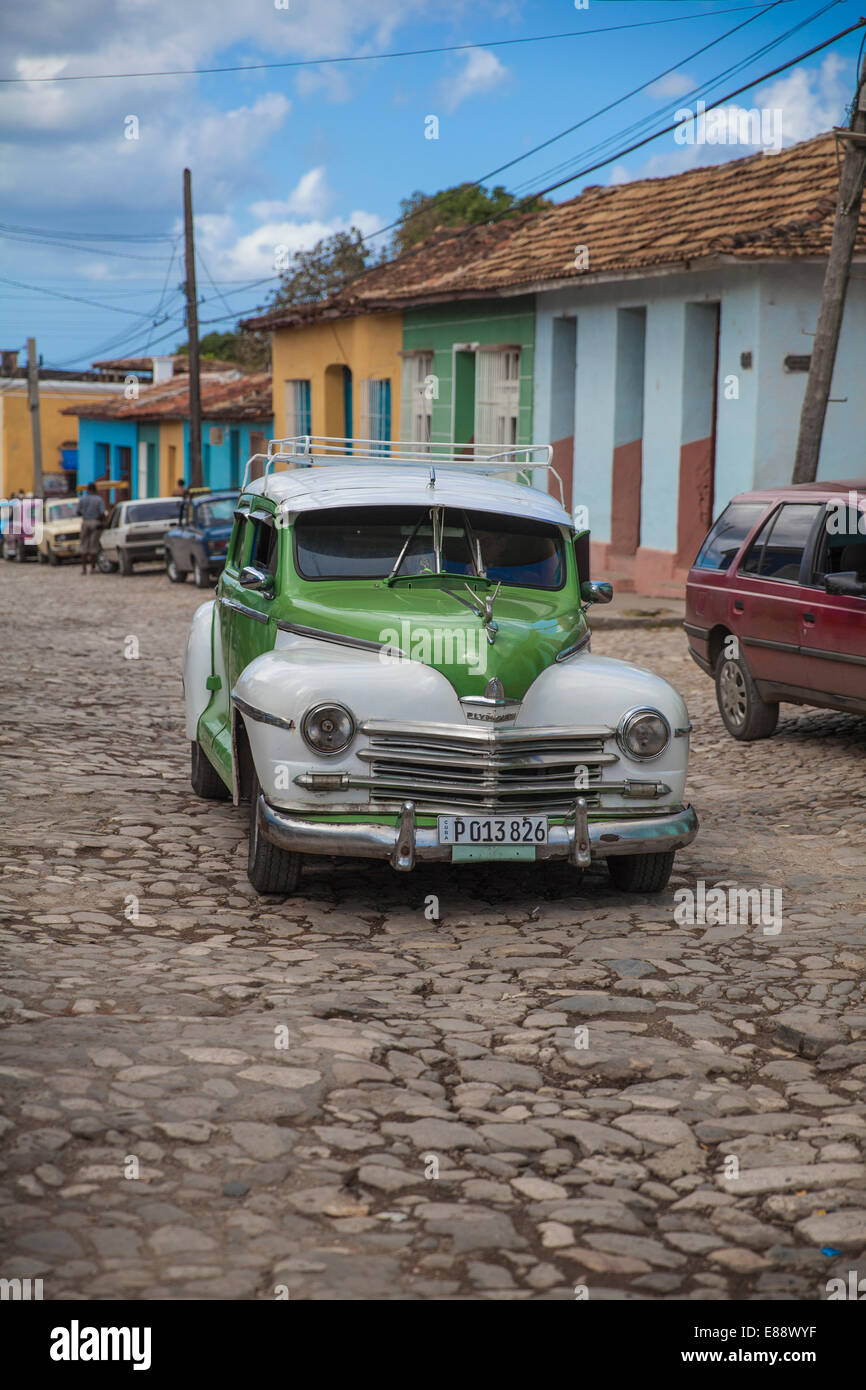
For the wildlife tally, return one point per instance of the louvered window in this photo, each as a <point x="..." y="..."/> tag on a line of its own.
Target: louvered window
<point x="497" y="396"/>
<point x="376" y="412"/>
<point x="417" y="399"/>
<point x="298" y="414"/>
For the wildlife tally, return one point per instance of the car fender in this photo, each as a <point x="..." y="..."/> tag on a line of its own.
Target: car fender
<point x="198" y="667"/>
<point x="599" y="690"/>
<point x="275" y="691"/>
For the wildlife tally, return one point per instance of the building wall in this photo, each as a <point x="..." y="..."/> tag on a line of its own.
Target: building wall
<point x="788" y="310"/>
<point x="16" y="441"/>
<point x="217" y="457"/>
<point x="437" y="328"/>
<point x="93" y="435"/>
<point x="368" y="345"/>
<point x="664" y="427"/>
<point x="171" y="467"/>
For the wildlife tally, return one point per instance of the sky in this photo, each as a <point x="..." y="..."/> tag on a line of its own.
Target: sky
<point x="91" y="170"/>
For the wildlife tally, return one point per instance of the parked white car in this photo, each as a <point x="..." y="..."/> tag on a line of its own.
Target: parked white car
<point x="134" y="533"/>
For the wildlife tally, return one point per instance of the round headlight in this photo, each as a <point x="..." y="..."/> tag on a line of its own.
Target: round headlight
<point x="328" y="728"/>
<point x="643" y="733"/>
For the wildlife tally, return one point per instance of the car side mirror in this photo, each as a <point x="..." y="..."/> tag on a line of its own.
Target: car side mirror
<point x="845" y="582"/>
<point x="596" y="591"/>
<point x="253" y="578"/>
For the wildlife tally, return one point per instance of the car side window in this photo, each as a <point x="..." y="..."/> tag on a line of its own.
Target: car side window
<point x="777" y="550"/>
<point x="841" y="546"/>
<point x="265" y="546"/>
<point x="727" y="535"/>
<point x="237" y="542"/>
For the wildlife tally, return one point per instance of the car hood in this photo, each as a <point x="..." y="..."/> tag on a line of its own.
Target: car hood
<point x="69" y="523"/>
<point x="429" y="624"/>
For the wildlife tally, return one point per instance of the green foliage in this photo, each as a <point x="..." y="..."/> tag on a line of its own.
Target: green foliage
<point x="461" y="206"/>
<point x="324" y="270"/>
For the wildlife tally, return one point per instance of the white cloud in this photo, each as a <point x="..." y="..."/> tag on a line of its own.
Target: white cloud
<point x="673" y="84"/>
<point x="233" y="255"/>
<point x="810" y="99"/>
<point x="482" y="71"/>
<point x="328" y="82"/>
<point x="310" y="197"/>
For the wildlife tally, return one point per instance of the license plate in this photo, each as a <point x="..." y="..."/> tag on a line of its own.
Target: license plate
<point x="493" y="830"/>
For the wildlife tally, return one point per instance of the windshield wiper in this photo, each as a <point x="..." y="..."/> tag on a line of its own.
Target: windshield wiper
<point x="389" y="578"/>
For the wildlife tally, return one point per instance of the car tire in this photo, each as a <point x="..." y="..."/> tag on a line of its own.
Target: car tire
<point x="104" y="564"/>
<point x="20" y="552"/>
<point x="744" y="714"/>
<point x="41" y="556"/>
<point x="177" y="576"/>
<point x="201" y="577"/>
<point x="206" y="781"/>
<point x="641" y="873"/>
<point x="7" y="553"/>
<point x="53" y="557"/>
<point x="123" y="560"/>
<point x="269" y="868"/>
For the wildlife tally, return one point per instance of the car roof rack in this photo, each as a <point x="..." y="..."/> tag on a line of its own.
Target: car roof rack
<point x="313" y="451"/>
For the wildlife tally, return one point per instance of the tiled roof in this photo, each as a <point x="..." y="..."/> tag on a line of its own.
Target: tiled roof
<point x="223" y="397"/>
<point x="772" y="204"/>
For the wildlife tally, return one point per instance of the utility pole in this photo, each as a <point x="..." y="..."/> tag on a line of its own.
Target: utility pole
<point x="33" y="403"/>
<point x="195" y="473"/>
<point x="848" y="202"/>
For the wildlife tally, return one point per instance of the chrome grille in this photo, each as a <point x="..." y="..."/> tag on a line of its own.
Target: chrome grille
<point x="444" y="767"/>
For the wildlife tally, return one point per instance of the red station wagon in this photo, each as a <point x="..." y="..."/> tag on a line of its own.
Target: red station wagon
<point x="782" y="571"/>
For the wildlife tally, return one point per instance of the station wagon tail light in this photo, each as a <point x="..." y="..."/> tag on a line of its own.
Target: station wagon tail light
<point x="328" y="728"/>
<point x="643" y="733"/>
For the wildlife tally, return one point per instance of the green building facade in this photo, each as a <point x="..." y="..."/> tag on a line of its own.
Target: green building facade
<point x="468" y="372"/>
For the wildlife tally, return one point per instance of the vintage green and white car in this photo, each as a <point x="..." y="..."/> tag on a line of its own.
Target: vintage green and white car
<point x="397" y="665"/>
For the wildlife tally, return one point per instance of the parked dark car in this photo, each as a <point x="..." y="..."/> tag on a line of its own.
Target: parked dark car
<point x="199" y="541"/>
<point x="776" y="604"/>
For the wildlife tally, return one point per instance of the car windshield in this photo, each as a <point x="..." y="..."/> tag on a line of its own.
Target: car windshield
<point x="402" y="542"/>
<point x="166" y="510"/>
<point x="59" y="511"/>
<point x="216" y="510"/>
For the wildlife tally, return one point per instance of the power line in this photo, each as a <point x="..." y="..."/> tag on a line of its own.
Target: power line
<point x="703" y="89"/>
<point x="58" y="294"/>
<point x="89" y="236"/>
<point x="374" y="57"/>
<point x="477" y="183"/>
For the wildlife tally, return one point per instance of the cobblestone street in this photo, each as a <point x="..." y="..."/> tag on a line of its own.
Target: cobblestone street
<point x="213" y="1095"/>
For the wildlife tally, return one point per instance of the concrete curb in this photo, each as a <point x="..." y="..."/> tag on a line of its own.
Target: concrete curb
<point x="611" y="624"/>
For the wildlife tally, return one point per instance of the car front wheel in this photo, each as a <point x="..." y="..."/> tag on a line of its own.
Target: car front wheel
<point x="53" y="557"/>
<point x="124" y="560"/>
<point x="641" y="873"/>
<point x="744" y="714"/>
<point x="269" y="868"/>
<point x="201" y="576"/>
<point x="176" y="575"/>
<point x="104" y="564"/>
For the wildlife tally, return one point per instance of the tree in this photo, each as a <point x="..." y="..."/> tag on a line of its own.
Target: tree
<point x="460" y="206"/>
<point x="249" y="350"/>
<point x="324" y="270"/>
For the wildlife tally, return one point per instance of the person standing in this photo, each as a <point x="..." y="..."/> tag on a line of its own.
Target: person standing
<point x="91" y="509"/>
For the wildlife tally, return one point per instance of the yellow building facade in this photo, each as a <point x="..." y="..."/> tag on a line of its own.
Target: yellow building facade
<point x="339" y="377"/>
<point x="56" y="429"/>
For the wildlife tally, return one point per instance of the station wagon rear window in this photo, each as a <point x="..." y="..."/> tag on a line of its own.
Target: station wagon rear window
<point x="367" y="543"/>
<point x="727" y="535"/>
<point x="219" y="509"/>
<point x="153" y="511"/>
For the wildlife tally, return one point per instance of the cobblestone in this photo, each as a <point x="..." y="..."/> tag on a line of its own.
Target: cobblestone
<point x="210" y="1095"/>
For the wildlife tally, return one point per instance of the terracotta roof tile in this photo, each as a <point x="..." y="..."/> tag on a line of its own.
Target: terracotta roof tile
<point x="223" y="397"/>
<point x="771" y="204"/>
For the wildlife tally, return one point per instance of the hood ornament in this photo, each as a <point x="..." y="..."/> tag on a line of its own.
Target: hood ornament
<point x="494" y="689"/>
<point x="484" y="608"/>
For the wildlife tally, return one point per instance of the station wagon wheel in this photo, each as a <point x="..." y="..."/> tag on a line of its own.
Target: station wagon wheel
<point x="206" y="781"/>
<point x="201" y="576"/>
<point x="175" y="575"/>
<point x="269" y="868"/>
<point x="744" y="714"/>
<point x="641" y="873"/>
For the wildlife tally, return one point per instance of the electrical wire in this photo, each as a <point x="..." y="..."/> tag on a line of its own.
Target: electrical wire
<point x="372" y="57"/>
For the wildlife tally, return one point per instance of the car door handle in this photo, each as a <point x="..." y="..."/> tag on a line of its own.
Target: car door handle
<point x="808" y="617"/>
<point x="738" y="605"/>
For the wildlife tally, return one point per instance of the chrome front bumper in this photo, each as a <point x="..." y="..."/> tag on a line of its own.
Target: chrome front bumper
<point x="403" y="844"/>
